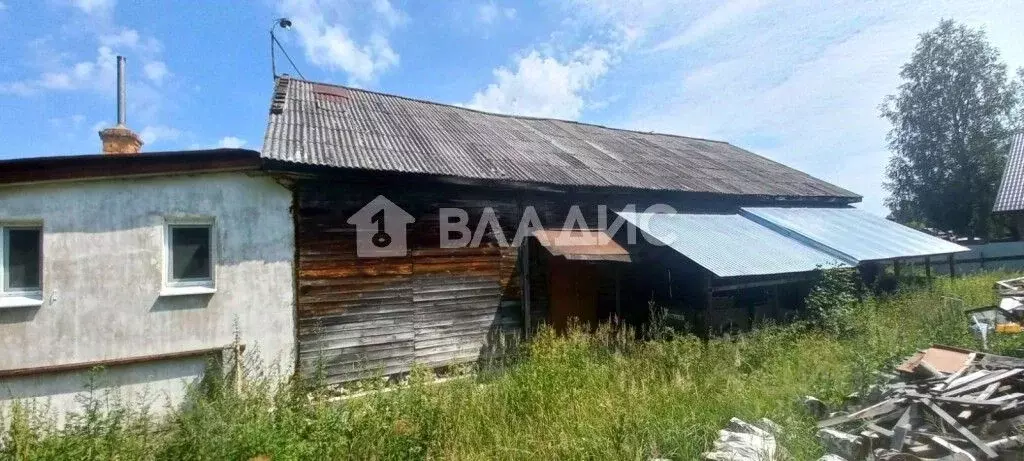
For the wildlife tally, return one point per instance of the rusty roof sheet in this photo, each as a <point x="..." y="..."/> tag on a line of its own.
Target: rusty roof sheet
<point x="329" y="125"/>
<point x="583" y="245"/>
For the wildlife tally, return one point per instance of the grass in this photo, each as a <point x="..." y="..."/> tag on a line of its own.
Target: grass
<point x="580" y="396"/>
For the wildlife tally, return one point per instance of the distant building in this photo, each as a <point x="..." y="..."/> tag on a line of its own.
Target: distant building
<point x="1010" y="199"/>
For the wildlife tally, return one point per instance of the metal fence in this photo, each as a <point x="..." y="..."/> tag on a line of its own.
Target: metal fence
<point x="996" y="256"/>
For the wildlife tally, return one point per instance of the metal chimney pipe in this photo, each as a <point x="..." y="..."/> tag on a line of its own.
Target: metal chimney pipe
<point x="120" y="91"/>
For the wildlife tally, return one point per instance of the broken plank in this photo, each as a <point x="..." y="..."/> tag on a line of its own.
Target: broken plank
<point x="879" y="429"/>
<point x="985" y="394"/>
<point x="899" y="431"/>
<point x="1007" y="443"/>
<point x="966" y="379"/>
<point x="953" y="376"/>
<point x="951" y="447"/>
<point x="1007" y="397"/>
<point x="992" y="378"/>
<point x="956" y="400"/>
<point x="959" y="428"/>
<point x="878" y="409"/>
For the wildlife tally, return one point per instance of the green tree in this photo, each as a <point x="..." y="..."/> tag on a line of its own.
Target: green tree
<point x="952" y="120"/>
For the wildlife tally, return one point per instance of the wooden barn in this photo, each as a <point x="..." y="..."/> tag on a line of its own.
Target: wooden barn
<point x="439" y="287"/>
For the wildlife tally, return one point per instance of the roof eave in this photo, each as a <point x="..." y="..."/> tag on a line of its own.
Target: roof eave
<point x="300" y="169"/>
<point x="93" y="167"/>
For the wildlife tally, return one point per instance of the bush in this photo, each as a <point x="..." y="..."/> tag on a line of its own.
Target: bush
<point x="832" y="303"/>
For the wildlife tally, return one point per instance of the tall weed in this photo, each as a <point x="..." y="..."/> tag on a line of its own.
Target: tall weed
<point x="580" y="395"/>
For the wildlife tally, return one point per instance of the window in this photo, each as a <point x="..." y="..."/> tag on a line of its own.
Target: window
<point x="20" y="266"/>
<point x="190" y="258"/>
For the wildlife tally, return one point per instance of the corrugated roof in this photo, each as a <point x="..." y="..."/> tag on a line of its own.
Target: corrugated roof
<point x="1011" y="188"/>
<point x="731" y="245"/>
<point x="328" y="125"/>
<point x="853" y="233"/>
<point x="582" y="245"/>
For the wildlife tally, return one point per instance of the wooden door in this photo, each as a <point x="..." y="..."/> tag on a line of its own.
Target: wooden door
<point x="573" y="293"/>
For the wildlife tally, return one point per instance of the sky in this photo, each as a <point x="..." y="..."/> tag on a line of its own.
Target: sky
<point x="798" y="81"/>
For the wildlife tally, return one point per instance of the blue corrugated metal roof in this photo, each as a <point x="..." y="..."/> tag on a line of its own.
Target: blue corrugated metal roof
<point x="731" y="245"/>
<point x="1011" y="187"/>
<point x="853" y="233"/>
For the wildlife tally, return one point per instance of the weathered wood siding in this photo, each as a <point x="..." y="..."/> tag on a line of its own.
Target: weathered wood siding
<point x="359" y="317"/>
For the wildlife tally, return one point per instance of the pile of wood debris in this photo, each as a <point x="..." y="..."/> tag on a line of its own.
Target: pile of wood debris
<point x="943" y="403"/>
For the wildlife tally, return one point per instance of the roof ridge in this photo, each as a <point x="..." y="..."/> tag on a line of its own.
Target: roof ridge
<point x="497" y="114"/>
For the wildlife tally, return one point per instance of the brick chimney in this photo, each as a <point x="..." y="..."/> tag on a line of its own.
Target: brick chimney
<point x="119" y="139"/>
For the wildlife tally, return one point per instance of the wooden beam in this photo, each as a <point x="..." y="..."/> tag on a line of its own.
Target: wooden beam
<point x="106" y="363"/>
<point x="878" y="409"/>
<point x="899" y="431"/>
<point x="978" y="402"/>
<point x="762" y="283"/>
<point x="991" y="378"/>
<point x="959" y="428"/>
<point x="618" y="292"/>
<point x="524" y="275"/>
<point x="709" y="295"/>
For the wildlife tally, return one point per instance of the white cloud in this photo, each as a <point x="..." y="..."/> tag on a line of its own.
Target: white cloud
<point x="543" y="86"/>
<point x="332" y="45"/>
<point x="130" y="40"/>
<point x="153" y="134"/>
<point x="94" y="6"/>
<point x="60" y="70"/>
<point x="392" y="16"/>
<point x="231" y="142"/>
<point x="799" y="82"/>
<point x="97" y="74"/>
<point x="718" y="19"/>
<point x="69" y="122"/>
<point x="156" y="71"/>
<point x="488" y="13"/>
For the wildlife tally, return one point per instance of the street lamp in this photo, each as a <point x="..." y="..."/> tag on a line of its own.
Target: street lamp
<point x="283" y="23"/>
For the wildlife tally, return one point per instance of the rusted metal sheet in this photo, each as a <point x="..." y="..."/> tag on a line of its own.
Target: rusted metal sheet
<point x="945" y="359"/>
<point x="583" y="245"/>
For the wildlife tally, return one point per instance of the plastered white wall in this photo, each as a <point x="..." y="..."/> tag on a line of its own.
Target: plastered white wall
<point x="103" y="263"/>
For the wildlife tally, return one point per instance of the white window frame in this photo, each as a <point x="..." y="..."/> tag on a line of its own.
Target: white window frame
<point x="32" y="297"/>
<point x="186" y="287"/>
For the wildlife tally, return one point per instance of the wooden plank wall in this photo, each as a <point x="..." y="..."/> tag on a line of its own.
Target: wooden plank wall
<point x="362" y="317"/>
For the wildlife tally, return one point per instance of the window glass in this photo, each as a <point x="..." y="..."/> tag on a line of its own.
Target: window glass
<point x="22" y="259"/>
<point x="190" y="253"/>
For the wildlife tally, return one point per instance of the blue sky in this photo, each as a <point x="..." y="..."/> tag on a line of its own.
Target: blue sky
<point x="798" y="81"/>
